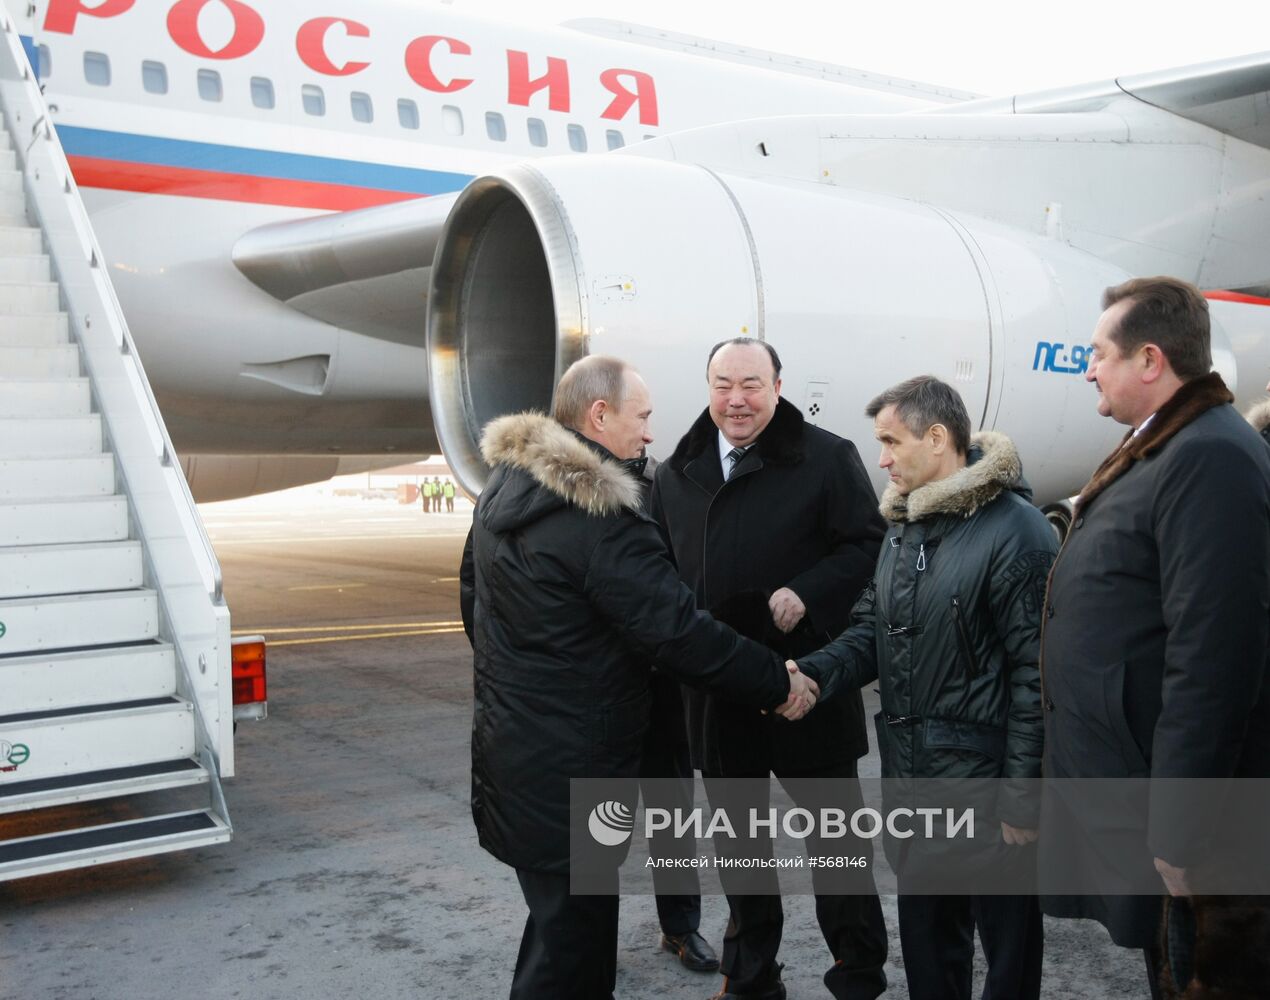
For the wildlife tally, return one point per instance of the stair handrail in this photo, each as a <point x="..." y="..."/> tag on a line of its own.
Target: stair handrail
<point x="19" y="93"/>
<point x="42" y="129"/>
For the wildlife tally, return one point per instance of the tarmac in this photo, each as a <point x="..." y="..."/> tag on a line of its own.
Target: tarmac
<point x="354" y="868"/>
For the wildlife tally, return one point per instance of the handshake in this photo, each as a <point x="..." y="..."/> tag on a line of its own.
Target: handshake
<point x="803" y="692"/>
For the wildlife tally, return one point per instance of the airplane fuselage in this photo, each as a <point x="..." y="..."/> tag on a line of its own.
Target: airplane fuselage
<point x="189" y="124"/>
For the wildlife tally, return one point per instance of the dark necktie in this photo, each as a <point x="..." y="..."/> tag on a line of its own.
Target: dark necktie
<point x="734" y="456"/>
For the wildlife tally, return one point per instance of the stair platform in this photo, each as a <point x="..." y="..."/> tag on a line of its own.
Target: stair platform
<point x="65" y="789"/>
<point x="54" y="852"/>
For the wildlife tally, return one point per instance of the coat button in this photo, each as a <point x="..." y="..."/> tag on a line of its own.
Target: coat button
<point x="1049" y="611"/>
<point x="1080" y="521"/>
<point x="1049" y="704"/>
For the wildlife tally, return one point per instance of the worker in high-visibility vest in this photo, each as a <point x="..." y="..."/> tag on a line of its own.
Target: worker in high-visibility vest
<point x="425" y="491"/>
<point x="447" y="491"/>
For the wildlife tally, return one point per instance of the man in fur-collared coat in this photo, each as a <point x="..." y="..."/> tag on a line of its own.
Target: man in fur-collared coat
<point x="950" y="628"/>
<point x="1154" y="656"/>
<point x="568" y="594"/>
<point x="773" y="523"/>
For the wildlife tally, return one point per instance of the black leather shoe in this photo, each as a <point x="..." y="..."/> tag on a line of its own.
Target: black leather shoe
<point x="774" y="990"/>
<point x="693" y="950"/>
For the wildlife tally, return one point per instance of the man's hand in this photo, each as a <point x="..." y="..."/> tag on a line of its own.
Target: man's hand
<point x="1016" y="835"/>
<point x="1174" y="878"/>
<point x="803" y="692"/>
<point x="787" y="609"/>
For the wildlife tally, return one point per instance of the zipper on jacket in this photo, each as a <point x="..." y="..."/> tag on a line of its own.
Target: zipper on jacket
<point x="963" y="641"/>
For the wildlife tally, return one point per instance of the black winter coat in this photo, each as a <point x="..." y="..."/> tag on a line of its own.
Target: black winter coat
<point x="568" y="596"/>
<point x="798" y="512"/>
<point x="1155" y="643"/>
<point x="950" y="626"/>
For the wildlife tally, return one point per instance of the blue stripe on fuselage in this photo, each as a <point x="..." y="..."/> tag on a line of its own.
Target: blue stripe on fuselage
<point x="129" y="148"/>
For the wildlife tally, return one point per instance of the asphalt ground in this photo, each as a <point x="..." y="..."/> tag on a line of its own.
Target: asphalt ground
<point x="354" y="868"/>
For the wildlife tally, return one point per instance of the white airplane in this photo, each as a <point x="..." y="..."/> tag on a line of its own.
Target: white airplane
<point x="320" y="227"/>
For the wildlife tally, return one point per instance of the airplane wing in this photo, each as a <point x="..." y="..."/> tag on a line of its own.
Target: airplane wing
<point x="364" y="270"/>
<point x="1231" y="96"/>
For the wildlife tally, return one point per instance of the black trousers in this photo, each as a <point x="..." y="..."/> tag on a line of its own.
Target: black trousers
<point x="569" y="948"/>
<point x="666" y="757"/>
<point x="937" y="938"/>
<point x="847" y="907"/>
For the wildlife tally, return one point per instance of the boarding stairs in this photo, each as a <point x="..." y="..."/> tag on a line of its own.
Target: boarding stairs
<point x="114" y="634"/>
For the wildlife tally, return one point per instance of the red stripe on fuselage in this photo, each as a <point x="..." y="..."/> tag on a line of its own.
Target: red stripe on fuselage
<point x="116" y="176"/>
<point x="1250" y="300"/>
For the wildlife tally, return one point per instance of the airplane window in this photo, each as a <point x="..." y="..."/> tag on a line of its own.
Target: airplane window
<point x="650" y="137"/>
<point x="577" y="138"/>
<point x="314" y="100"/>
<point x="154" y="77"/>
<point x="45" y="69"/>
<point x="363" y="110"/>
<point x="407" y="113"/>
<point x="495" y="126"/>
<point x="209" y="85"/>
<point x="614" y="138"/>
<point x="97" y="68"/>
<point x="537" y="132"/>
<point x="452" y="119"/>
<point x="262" y="92"/>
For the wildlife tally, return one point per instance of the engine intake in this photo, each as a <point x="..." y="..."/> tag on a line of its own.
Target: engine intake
<point x="654" y="260"/>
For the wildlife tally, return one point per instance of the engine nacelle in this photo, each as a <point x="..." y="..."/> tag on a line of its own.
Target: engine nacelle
<point x="655" y="261"/>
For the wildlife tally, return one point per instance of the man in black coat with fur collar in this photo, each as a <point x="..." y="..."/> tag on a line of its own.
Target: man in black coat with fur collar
<point x="1154" y="653"/>
<point x="774" y="524"/>
<point x="567" y="594"/>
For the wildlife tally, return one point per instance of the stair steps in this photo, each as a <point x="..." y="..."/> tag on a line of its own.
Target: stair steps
<point x="27" y="856"/>
<point x="91" y="702"/>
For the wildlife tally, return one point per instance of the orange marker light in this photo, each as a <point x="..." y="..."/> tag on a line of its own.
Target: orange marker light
<point x="249" y="671"/>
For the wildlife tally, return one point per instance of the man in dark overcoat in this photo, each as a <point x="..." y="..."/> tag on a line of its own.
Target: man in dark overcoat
<point x="774" y="524"/>
<point x="567" y="594"/>
<point x="1155" y="644"/>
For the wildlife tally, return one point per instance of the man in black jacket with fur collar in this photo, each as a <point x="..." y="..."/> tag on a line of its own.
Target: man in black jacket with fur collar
<point x="567" y="593"/>
<point x="950" y="628"/>
<point x="774" y="524"/>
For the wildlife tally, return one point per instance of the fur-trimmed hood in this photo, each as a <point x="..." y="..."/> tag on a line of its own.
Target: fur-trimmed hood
<point x="1259" y="417"/>
<point x="562" y="462"/>
<point x="993" y="467"/>
<point x="1194" y="398"/>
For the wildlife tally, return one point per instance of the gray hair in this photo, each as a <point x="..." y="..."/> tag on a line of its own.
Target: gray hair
<point x="592" y="378"/>
<point x="923" y="401"/>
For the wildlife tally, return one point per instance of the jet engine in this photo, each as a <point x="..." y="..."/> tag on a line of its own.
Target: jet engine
<point x="654" y="261"/>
